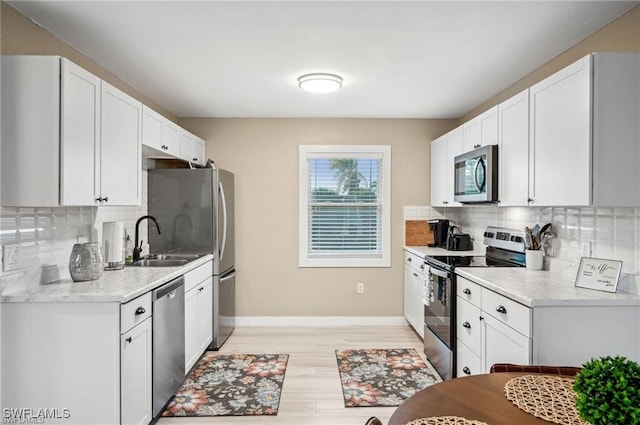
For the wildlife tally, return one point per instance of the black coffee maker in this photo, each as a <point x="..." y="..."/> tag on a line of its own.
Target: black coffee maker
<point x="440" y="229"/>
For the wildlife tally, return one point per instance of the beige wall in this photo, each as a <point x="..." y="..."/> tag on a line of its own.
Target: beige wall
<point x="20" y="36"/>
<point x="621" y="35"/>
<point x="263" y="154"/>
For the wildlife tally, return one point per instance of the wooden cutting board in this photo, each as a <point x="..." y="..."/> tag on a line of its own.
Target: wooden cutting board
<point x="418" y="233"/>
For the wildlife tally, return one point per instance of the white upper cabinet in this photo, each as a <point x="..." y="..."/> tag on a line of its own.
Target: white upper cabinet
<point x="192" y="148"/>
<point x="513" y="150"/>
<point x="560" y="149"/>
<point x="481" y="130"/>
<point x="585" y="133"/>
<point x="85" y="148"/>
<point x="80" y="136"/>
<point x="121" y="158"/>
<point x="159" y="133"/>
<point x="443" y="151"/>
<point x="439" y="196"/>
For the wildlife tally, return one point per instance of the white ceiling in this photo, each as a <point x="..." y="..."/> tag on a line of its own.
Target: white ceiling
<point x="413" y="59"/>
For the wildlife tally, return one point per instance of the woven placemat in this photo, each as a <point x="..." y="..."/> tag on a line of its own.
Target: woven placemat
<point x="445" y="420"/>
<point x="546" y="397"/>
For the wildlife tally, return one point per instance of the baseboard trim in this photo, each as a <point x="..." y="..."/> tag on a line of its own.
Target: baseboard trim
<point x="304" y="321"/>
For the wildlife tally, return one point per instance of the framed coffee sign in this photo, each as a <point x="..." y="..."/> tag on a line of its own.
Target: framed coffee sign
<point x="599" y="274"/>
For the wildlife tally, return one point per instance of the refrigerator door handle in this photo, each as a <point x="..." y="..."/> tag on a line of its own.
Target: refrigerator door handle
<point x="224" y="220"/>
<point x="227" y="277"/>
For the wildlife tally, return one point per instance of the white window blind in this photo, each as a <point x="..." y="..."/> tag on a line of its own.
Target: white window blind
<point x="345" y="205"/>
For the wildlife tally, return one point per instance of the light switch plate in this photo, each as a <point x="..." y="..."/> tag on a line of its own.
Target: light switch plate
<point x="10" y="257"/>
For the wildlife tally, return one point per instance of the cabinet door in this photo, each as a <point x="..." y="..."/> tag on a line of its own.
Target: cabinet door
<point x="121" y="164"/>
<point x="454" y="148"/>
<point x="171" y="137"/>
<point x="30" y="94"/>
<point x="468" y="324"/>
<point x="408" y="282"/>
<point x="513" y="150"/>
<point x="416" y="306"/>
<point x="481" y="130"/>
<point x="191" y="148"/>
<point x="439" y="165"/>
<point x="152" y="129"/>
<point x="191" y="328"/>
<point x="560" y="137"/>
<point x="205" y="315"/>
<point x="467" y="362"/>
<point x="79" y="136"/>
<point x="135" y="385"/>
<point x="502" y="344"/>
<point x="198" y="151"/>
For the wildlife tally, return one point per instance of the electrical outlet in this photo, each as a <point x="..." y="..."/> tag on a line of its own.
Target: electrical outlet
<point x="586" y="249"/>
<point x="360" y="289"/>
<point x="10" y="257"/>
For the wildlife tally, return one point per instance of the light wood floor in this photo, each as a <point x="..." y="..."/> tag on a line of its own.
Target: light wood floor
<point x="311" y="392"/>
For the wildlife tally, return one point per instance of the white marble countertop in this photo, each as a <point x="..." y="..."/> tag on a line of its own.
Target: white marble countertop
<point x="426" y="250"/>
<point x="542" y="288"/>
<point x="113" y="286"/>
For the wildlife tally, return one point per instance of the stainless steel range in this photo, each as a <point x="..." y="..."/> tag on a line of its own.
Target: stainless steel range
<point x="505" y="248"/>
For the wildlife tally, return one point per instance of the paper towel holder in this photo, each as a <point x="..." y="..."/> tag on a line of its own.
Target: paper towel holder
<point x="113" y="242"/>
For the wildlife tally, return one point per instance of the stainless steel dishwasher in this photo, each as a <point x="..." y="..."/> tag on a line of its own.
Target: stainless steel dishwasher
<point x="168" y="342"/>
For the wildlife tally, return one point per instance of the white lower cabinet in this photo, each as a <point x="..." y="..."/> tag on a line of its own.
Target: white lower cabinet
<point x="493" y="328"/>
<point x="414" y="280"/>
<point x="488" y="329"/>
<point x="502" y="344"/>
<point x="135" y="372"/>
<point x="198" y="313"/>
<point x="89" y="362"/>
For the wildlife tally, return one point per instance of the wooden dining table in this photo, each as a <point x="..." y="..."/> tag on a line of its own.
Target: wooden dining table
<point x="478" y="397"/>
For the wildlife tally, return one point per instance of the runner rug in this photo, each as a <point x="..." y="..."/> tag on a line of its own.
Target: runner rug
<point x="382" y="377"/>
<point x="231" y="385"/>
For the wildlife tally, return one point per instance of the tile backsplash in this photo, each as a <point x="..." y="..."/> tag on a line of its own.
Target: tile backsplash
<point x="612" y="233"/>
<point x="46" y="235"/>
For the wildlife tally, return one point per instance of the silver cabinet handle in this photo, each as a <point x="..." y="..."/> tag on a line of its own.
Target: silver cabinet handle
<point x="501" y="309"/>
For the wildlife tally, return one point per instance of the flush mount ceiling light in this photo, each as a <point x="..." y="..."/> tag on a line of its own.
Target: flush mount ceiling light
<point x="319" y="82"/>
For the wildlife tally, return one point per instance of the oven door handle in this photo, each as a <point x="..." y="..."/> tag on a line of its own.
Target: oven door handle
<point x="438" y="272"/>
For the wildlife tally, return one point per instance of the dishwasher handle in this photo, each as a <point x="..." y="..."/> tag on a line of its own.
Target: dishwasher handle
<point x="168" y="288"/>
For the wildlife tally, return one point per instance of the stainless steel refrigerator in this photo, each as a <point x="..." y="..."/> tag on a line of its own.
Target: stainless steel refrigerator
<point x="195" y="209"/>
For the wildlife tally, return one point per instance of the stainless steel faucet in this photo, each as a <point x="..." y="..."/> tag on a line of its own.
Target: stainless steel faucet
<point x="137" y="249"/>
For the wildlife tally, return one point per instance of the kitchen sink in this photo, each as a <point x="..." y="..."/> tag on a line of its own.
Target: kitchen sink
<point x="154" y="262"/>
<point x="165" y="257"/>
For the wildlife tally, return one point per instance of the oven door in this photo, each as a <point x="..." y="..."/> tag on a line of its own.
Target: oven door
<point x="438" y="305"/>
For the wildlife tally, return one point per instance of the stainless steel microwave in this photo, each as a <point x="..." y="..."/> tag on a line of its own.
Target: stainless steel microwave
<point x="476" y="175"/>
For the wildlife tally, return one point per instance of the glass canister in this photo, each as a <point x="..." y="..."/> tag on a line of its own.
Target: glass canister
<point x="86" y="261"/>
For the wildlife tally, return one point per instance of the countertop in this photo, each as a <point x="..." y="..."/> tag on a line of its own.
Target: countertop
<point x="113" y="286"/>
<point x="531" y="288"/>
<point x="542" y="288"/>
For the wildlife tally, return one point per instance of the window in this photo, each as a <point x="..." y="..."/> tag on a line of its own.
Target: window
<point x="345" y="206"/>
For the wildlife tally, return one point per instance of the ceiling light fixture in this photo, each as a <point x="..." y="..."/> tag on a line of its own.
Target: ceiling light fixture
<point x="319" y="82"/>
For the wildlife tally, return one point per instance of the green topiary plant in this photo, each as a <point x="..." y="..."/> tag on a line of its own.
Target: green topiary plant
<point x="608" y="391"/>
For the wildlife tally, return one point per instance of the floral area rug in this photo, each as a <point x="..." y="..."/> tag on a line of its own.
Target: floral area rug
<point x="382" y="377"/>
<point x="231" y="385"/>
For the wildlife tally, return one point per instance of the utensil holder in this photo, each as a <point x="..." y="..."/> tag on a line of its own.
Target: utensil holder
<point x="534" y="259"/>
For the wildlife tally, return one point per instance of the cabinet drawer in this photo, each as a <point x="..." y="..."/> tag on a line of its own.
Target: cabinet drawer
<point x="197" y="275"/>
<point x="468" y="290"/>
<point x="468" y="325"/>
<point x="414" y="261"/>
<point x="134" y="312"/>
<point x="509" y="312"/>
<point x="468" y="363"/>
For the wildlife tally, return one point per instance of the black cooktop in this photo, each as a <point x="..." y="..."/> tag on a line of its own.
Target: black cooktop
<point x="494" y="258"/>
